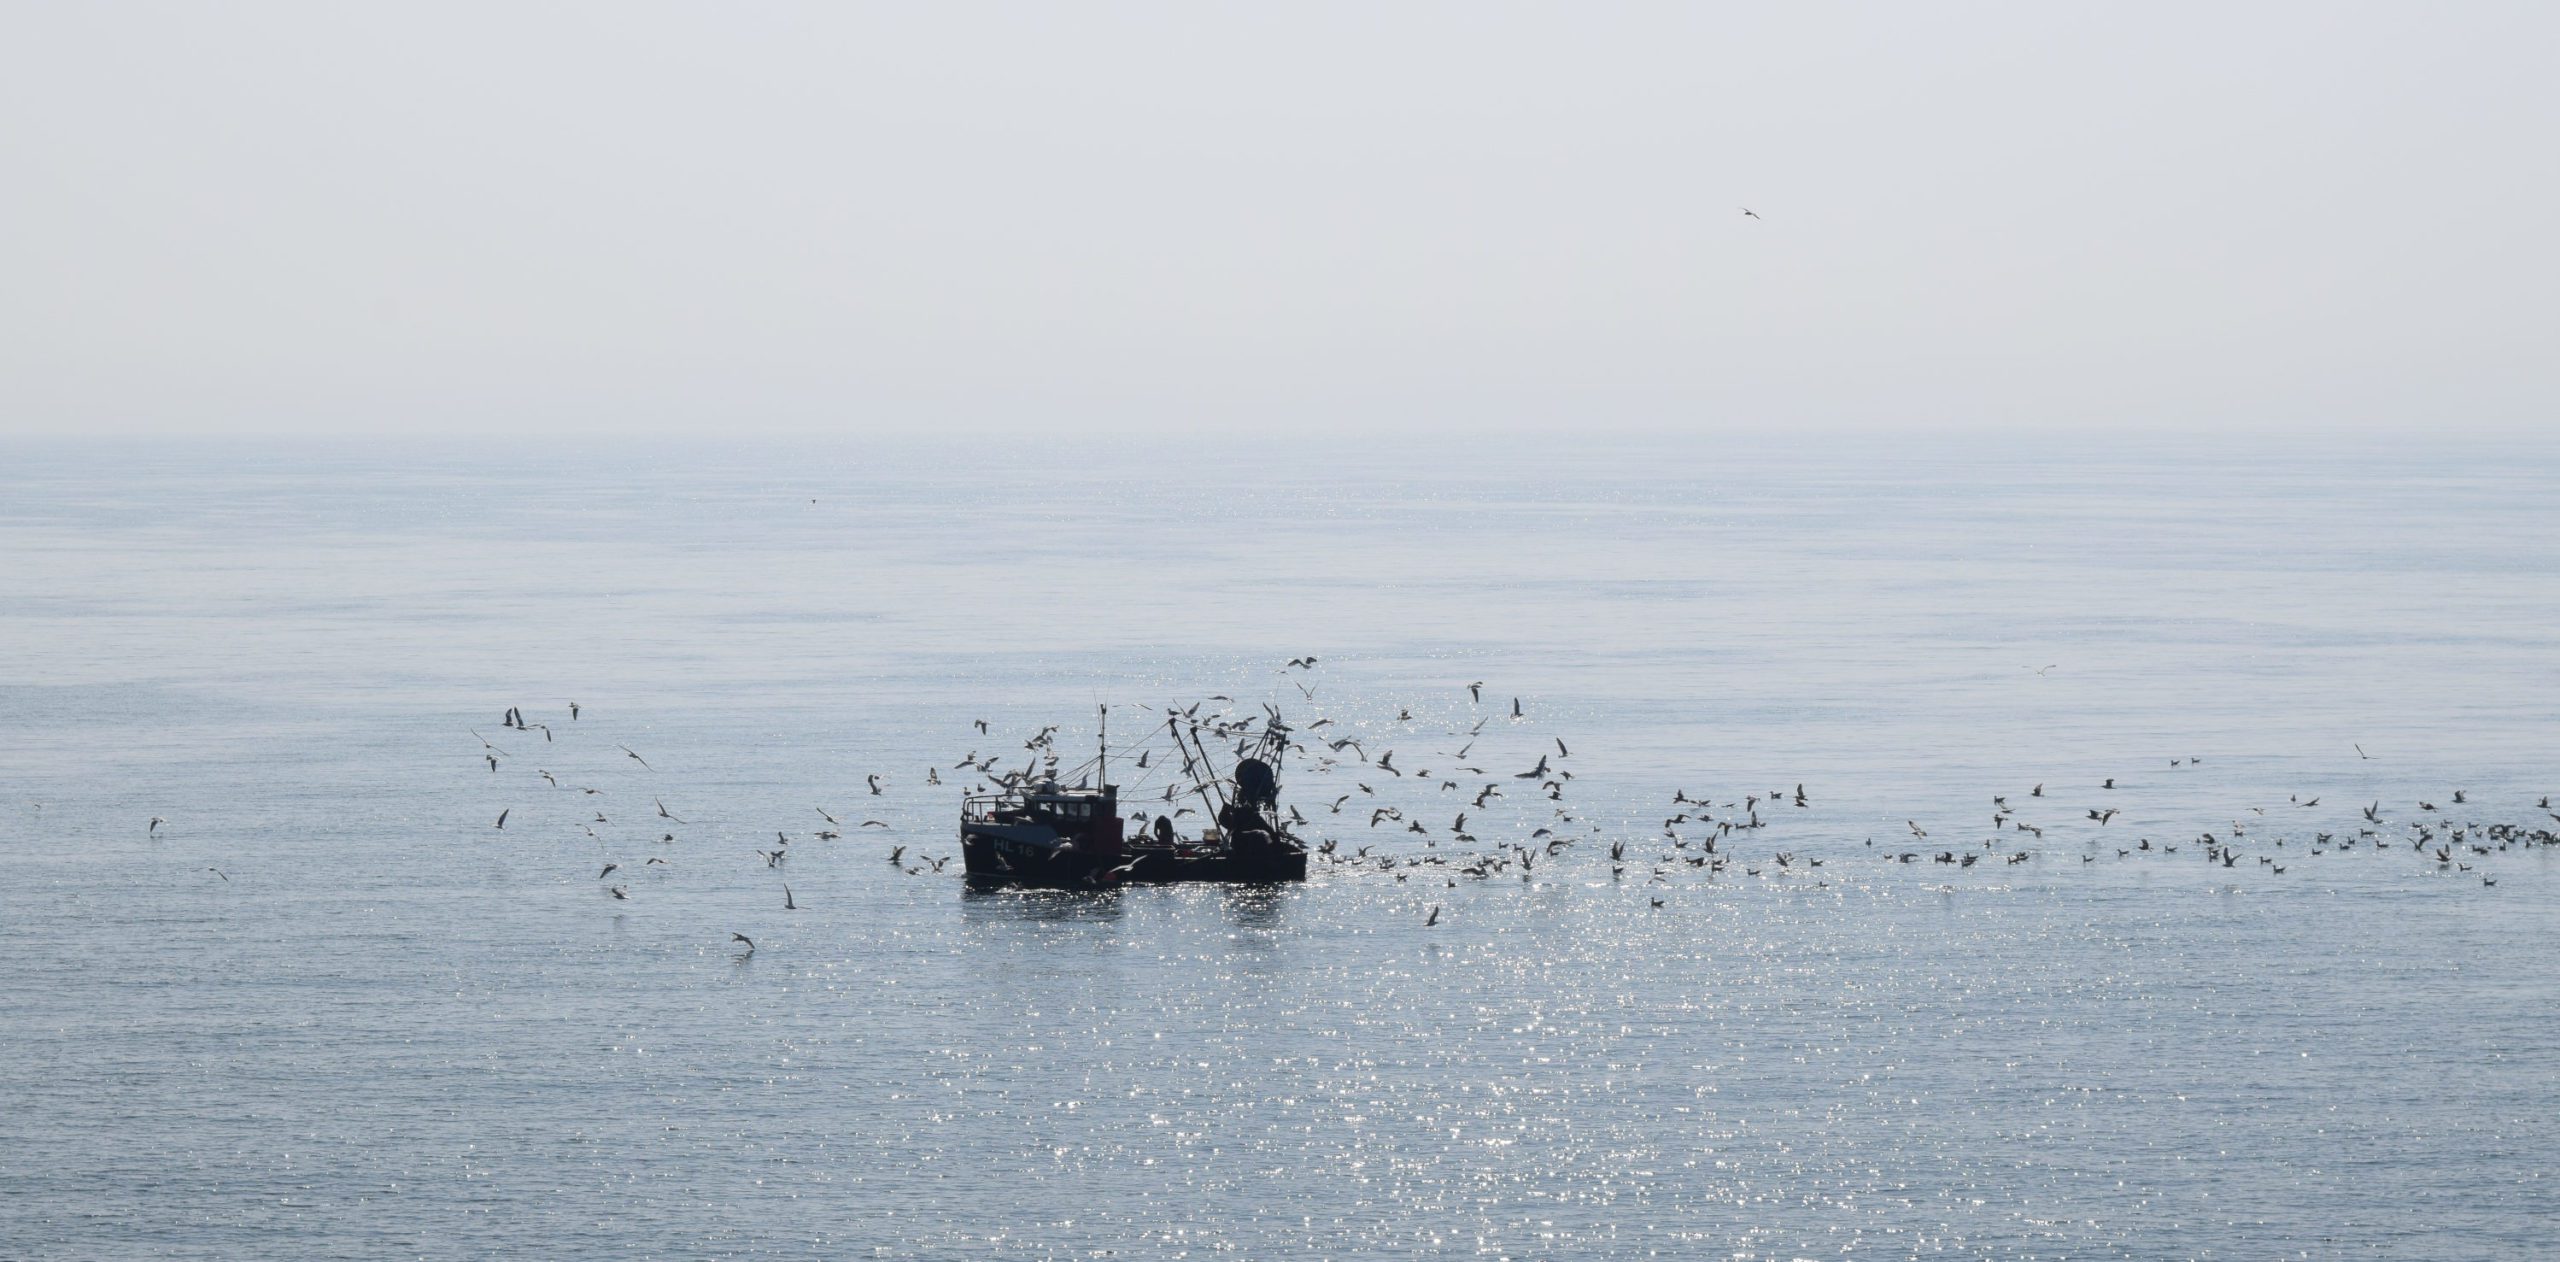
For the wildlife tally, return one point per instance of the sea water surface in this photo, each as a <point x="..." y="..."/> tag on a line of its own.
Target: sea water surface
<point x="327" y="1009"/>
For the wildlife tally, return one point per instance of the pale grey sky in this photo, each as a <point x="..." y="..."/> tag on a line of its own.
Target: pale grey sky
<point x="439" y="219"/>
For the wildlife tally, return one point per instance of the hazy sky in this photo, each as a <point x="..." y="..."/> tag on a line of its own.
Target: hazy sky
<point x="442" y="219"/>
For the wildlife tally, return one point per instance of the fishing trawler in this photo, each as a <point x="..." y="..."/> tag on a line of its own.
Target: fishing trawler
<point x="1043" y="834"/>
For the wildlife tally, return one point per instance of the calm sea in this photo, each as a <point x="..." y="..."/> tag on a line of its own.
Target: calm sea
<point x="327" y="1009"/>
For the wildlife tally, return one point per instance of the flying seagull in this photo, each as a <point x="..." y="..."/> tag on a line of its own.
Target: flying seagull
<point x="635" y="757"/>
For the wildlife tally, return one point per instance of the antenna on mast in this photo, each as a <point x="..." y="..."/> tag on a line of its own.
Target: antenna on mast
<point x="1102" y="749"/>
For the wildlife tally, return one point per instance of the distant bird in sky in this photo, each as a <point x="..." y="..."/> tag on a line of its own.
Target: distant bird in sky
<point x="1433" y="918"/>
<point x="502" y="819"/>
<point x="156" y="822"/>
<point x="635" y="757"/>
<point x="573" y="711"/>
<point x="787" y="904"/>
<point x="740" y="937"/>
<point x="226" y="878"/>
<point x="1754" y="214"/>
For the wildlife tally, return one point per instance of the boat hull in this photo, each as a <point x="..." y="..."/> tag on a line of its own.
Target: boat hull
<point x="993" y="858"/>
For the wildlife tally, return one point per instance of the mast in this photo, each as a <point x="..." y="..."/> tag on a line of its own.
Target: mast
<point x="1208" y="769"/>
<point x="1199" y="771"/>
<point x="1102" y="750"/>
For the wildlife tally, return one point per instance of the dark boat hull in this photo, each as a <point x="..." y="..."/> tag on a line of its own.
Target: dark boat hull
<point x="995" y="860"/>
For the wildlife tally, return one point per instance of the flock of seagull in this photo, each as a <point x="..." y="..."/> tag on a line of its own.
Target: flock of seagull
<point x="1704" y="837"/>
<point x="1515" y="820"/>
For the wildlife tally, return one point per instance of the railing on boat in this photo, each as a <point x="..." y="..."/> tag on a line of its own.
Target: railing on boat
<point x="990" y="807"/>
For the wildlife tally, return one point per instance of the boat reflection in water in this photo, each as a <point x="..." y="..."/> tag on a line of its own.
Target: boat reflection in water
<point x="991" y="902"/>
